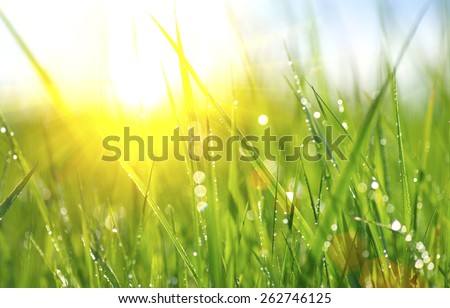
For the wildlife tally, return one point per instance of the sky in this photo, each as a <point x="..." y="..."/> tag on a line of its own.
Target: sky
<point x="89" y="47"/>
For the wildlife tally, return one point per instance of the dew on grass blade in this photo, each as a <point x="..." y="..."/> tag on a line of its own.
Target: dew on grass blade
<point x="420" y="247"/>
<point x="290" y="195"/>
<point x="418" y="264"/>
<point x="201" y="206"/>
<point x="390" y="208"/>
<point x="396" y="225"/>
<point x="362" y="187"/>
<point x="200" y="191"/>
<point x="199" y="177"/>
<point x="263" y="120"/>
<point x="3" y="129"/>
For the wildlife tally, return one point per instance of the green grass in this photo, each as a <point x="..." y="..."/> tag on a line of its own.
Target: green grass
<point x="81" y="222"/>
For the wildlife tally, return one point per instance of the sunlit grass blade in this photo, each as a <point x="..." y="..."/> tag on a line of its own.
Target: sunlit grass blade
<point x="259" y="165"/>
<point x="9" y="200"/>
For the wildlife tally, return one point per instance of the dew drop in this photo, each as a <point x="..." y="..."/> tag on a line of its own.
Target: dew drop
<point x="420" y="247"/>
<point x="263" y="119"/>
<point x="290" y="195"/>
<point x="362" y="187"/>
<point x="334" y="227"/>
<point x="374" y="185"/>
<point x="201" y="206"/>
<point x="317" y="115"/>
<point x="396" y="225"/>
<point x="199" y="177"/>
<point x="3" y="129"/>
<point x="390" y="208"/>
<point x="418" y="264"/>
<point x="200" y="191"/>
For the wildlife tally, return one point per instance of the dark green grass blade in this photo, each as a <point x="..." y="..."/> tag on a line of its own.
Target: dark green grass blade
<point x="9" y="200"/>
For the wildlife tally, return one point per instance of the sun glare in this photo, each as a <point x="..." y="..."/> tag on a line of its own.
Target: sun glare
<point x="138" y="52"/>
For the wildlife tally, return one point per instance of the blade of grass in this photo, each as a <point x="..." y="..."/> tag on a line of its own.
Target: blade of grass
<point x="339" y="198"/>
<point x="401" y="157"/>
<point x="142" y="189"/>
<point x="9" y="200"/>
<point x="259" y="165"/>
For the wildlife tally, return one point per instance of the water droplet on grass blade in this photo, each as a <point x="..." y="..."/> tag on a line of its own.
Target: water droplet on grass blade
<point x="201" y="206"/>
<point x="362" y="187"/>
<point x="418" y="264"/>
<point x="420" y="247"/>
<point x="200" y="191"/>
<point x="290" y="195"/>
<point x="374" y="185"/>
<point x="199" y="177"/>
<point x="396" y="225"/>
<point x="263" y="119"/>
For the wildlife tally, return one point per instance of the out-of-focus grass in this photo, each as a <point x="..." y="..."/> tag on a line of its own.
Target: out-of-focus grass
<point x="379" y="219"/>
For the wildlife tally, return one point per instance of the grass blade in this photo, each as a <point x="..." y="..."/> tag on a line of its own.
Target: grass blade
<point x="162" y="219"/>
<point x="9" y="200"/>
